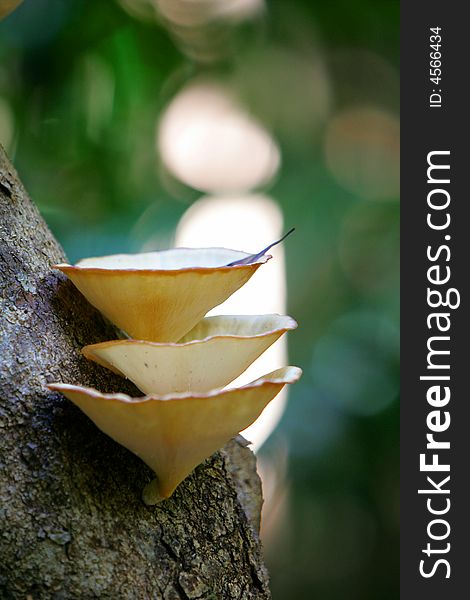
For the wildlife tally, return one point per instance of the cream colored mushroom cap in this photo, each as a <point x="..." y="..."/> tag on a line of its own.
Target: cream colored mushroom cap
<point x="214" y="353"/>
<point x="160" y="296"/>
<point x="174" y="433"/>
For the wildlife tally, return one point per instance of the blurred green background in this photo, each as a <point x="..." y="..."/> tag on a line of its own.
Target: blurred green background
<point x="82" y="87"/>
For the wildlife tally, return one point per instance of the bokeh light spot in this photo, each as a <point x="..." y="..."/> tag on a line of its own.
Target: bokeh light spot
<point x="210" y="143"/>
<point x="363" y="152"/>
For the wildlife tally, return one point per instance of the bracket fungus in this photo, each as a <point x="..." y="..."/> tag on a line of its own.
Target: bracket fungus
<point x="180" y="359"/>
<point x="214" y="353"/>
<point x="160" y="296"/>
<point x="173" y="433"/>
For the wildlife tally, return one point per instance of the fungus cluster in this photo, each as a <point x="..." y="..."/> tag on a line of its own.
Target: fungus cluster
<point x="181" y="360"/>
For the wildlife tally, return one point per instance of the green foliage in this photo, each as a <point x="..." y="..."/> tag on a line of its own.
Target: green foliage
<point x="82" y="86"/>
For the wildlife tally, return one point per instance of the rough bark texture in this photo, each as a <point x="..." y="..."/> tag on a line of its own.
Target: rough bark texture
<point x="72" y="524"/>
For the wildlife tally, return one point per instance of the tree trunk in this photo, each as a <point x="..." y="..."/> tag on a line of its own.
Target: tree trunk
<point x="72" y="523"/>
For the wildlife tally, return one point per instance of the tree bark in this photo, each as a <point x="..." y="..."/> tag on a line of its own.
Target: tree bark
<point x="72" y="523"/>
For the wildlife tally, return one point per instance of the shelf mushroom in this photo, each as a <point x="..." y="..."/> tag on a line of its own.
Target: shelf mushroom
<point x="160" y="296"/>
<point x="214" y="353"/>
<point x="180" y="359"/>
<point x="174" y="433"/>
